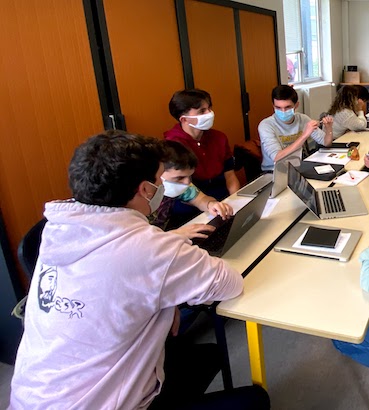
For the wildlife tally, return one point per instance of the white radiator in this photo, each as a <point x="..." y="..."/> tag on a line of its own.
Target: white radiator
<point x="317" y="99"/>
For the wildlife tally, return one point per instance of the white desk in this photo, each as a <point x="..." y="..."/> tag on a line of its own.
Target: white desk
<point x="263" y="233"/>
<point x="363" y="138"/>
<point x="304" y="294"/>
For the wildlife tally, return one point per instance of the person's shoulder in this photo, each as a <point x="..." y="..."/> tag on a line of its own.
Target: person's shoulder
<point x="301" y="115"/>
<point x="190" y="193"/>
<point x="215" y="133"/>
<point x="267" y="121"/>
<point x="346" y="112"/>
<point x="267" y="124"/>
<point x="302" y="118"/>
<point x="174" y="133"/>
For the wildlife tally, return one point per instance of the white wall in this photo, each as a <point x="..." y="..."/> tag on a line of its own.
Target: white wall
<point x="336" y="47"/>
<point x="358" y="49"/>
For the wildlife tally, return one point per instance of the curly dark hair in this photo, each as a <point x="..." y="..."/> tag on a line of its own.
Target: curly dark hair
<point x="183" y="101"/>
<point x="107" y="169"/>
<point x="346" y="98"/>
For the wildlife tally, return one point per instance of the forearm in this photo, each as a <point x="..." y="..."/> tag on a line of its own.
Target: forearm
<point x="328" y="135"/>
<point x="350" y="120"/>
<point x="291" y="148"/>
<point x="357" y="122"/>
<point x="202" y="201"/>
<point x="232" y="182"/>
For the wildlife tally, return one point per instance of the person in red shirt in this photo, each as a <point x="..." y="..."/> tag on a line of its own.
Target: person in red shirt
<point x="214" y="174"/>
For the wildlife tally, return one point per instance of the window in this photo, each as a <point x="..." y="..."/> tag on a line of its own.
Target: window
<point x="302" y="30"/>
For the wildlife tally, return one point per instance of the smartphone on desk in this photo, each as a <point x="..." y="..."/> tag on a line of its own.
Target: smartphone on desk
<point x="340" y="146"/>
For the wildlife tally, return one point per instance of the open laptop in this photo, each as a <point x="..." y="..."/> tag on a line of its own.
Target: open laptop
<point x="281" y="171"/>
<point x="279" y="177"/>
<point x="230" y="231"/>
<point x="326" y="203"/>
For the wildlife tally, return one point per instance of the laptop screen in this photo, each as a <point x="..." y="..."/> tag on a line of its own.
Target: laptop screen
<point x="301" y="187"/>
<point x="281" y="170"/>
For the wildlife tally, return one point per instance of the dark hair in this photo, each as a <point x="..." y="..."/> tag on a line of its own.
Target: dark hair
<point x="284" y="92"/>
<point x="107" y="169"/>
<point x="183" y="101"/>
<point x="178" y="156"/>
<point x="362" y="92"/>
<point x="346" y="98"/>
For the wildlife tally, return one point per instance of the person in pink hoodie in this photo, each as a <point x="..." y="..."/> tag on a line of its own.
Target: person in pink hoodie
<point x="104" y="293"/>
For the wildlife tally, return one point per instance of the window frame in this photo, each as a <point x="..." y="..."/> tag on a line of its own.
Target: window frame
<point x="300" y="55"/>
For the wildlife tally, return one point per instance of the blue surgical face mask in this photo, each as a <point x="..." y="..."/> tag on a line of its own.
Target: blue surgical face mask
<point x="285" y="116"/>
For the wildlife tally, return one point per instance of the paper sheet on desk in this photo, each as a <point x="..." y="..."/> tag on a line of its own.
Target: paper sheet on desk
<point x="351" y="177"/>
<point x="238" y="203"/>
<point x="270" y="205"/>
<point x="341" y="243"/>
<point x="329" y="158"/>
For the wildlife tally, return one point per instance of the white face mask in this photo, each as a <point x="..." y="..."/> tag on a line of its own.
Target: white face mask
<point x="173" y="189"/>
<point x="155" y="201"/>
<point x="204" y="121"/>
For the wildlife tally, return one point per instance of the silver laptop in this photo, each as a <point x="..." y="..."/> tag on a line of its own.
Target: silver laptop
<point x="256" y="185"/>
<point x="289" y="243"/>
<point x="281" y="171"/>
<point x="230" y="231"/>
<point x="326" y="203"/>
<point x="279" y="176"/>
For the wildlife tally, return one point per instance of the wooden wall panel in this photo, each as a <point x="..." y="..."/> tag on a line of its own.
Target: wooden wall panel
<point x="48" y="102"/>
<point x="147" y="61"/>
<point x="215" y="67"/>
<point x="259" y="53"/>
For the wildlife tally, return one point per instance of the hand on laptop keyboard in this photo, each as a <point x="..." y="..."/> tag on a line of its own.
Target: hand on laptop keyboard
<point x="195" y="231"/>
<point x="222" y="209"/>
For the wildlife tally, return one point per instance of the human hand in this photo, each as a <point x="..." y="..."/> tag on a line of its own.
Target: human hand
<point x="361" y="105"/>
<point x="327" y="121"/>
<point x="195" y="230"/>
<point x="310" y="127"/>
<point x="176" y="322"/>
<point x="366" y="160"/>
<point x="220" y="208"/>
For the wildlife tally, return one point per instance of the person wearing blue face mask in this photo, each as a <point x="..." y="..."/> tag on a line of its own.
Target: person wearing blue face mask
<point x="179" y="167"/>
<point x="287" y="130"/>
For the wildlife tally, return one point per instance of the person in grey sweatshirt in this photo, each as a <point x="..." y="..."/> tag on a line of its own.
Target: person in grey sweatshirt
<point x="287" y="130"/>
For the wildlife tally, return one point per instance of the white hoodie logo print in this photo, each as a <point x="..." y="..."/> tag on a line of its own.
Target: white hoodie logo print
<point x="47" y="286"/>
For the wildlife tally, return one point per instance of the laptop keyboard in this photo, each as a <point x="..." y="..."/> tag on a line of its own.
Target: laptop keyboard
<point x="215" y="242"/>
<point x="333" y="201"/>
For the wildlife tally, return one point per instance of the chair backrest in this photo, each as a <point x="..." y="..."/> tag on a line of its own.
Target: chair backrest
<point x="29" y="247"/>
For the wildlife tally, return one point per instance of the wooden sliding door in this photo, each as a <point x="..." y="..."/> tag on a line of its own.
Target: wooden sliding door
<point x="233" y="55"/>
<point x="260" y="62"/>
<point x="48" y="102"/>
<point x="146" y="56"/>
<point x="212" y="43"/>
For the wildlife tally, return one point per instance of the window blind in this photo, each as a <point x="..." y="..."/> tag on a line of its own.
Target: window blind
<point x="292" y="25"/>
